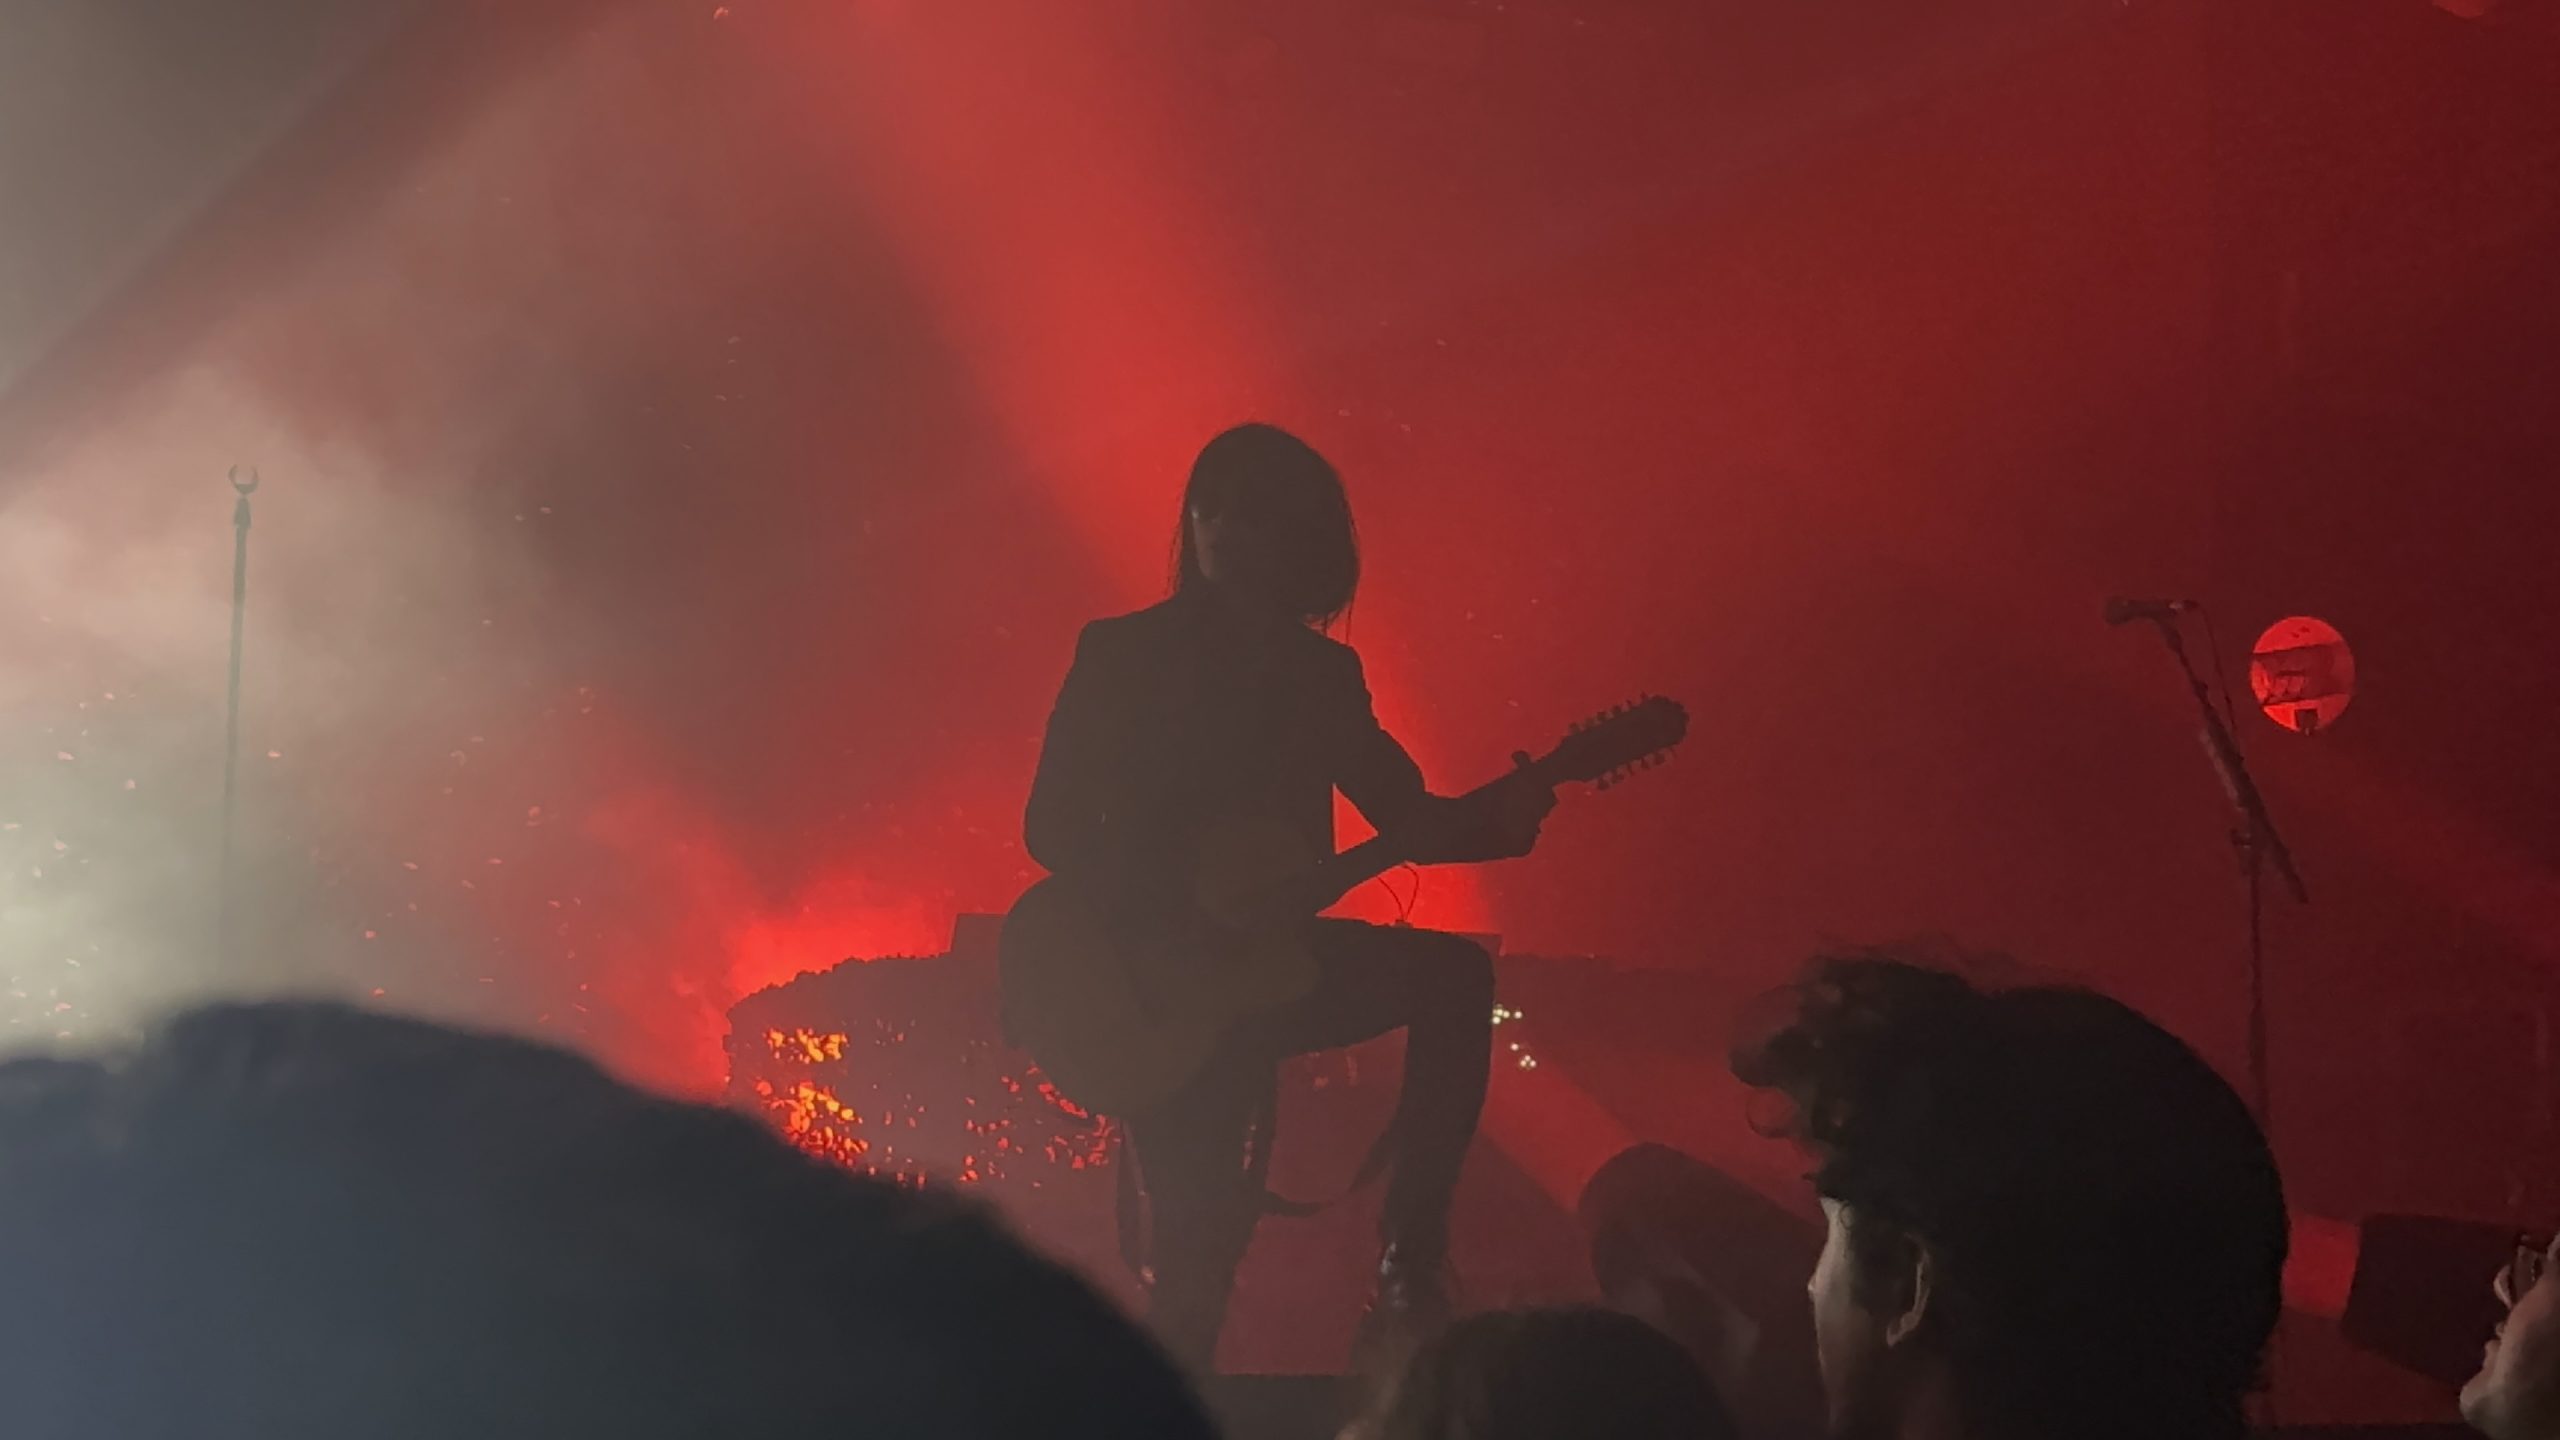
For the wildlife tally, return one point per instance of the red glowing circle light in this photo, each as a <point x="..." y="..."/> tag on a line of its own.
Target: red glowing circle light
<point x="2303" y="674"/>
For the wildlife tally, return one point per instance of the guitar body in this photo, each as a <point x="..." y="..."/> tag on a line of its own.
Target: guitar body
<point x="1121" y="1011"/>
<point x="1120" y="1016"/>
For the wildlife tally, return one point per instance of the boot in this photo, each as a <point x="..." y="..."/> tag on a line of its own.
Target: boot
<point x="1410" y="1306"/>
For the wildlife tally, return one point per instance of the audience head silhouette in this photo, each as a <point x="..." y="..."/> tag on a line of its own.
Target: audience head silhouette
<point x="1548" y="1374"/>
<point x="1265" y="520"/>
<point x="2047" y="1215"/>
<point x="2516" y="1395"/>
<point x="291" y="1220"/>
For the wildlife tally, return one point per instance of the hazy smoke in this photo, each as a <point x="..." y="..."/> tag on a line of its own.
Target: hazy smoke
<point x="538" y="725"/>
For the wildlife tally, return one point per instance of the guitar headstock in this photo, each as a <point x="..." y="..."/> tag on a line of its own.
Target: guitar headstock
<point x="1617" y="742"/>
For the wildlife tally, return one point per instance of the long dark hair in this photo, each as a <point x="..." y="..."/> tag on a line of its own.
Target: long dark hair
<point x="1293" y="514"/>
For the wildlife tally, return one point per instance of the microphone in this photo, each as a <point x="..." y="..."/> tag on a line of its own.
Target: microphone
<point x="2122" y="611"/>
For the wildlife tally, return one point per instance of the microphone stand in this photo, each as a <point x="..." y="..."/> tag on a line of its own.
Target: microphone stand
<point x="231" y="734"/>
<point x="2255" y="840"/>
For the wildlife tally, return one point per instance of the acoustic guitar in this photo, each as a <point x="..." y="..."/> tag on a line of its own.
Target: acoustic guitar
<point x="1119" y="1023"/>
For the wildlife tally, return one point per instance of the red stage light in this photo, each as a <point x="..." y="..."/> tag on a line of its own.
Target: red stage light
<point x="2302" y="673"/>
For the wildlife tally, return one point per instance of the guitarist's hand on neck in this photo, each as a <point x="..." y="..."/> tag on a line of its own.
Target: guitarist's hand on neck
<point x="1520" y="807"/>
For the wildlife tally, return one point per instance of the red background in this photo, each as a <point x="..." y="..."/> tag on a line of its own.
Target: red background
<point x="694" y="435"/>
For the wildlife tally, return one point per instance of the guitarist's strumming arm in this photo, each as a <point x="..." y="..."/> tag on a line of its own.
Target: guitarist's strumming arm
<point x="1370" y="766"/>
<point x="1378" y="774"/>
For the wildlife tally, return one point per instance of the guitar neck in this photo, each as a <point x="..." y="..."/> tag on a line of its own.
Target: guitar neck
<point x="1597" y="752"/>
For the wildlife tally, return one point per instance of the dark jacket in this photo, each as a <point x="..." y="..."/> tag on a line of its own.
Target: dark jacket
<point x="1173" y="721"/>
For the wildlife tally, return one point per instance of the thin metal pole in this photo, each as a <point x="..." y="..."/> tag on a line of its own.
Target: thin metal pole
<point x="2261" y="1092"/>
<point x="223" y="939"/>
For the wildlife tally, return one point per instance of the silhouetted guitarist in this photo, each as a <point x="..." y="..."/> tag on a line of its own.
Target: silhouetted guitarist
<point x="1227" y="702"/>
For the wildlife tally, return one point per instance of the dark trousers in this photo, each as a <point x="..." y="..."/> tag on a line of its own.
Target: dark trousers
<point x="1198" y="1151"/>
